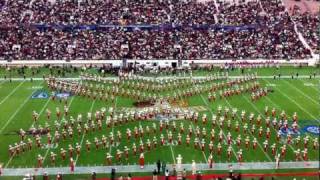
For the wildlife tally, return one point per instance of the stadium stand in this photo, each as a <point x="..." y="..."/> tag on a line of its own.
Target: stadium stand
<point x="146" y="30"/>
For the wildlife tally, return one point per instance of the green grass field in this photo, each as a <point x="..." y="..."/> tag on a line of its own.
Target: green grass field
<point x="291" y="95"/>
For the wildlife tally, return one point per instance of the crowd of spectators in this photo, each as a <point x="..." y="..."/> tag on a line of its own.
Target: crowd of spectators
<point x="308" y="24"/>
<point x="271" y="35"/>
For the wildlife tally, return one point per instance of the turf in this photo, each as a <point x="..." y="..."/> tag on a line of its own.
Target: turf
<point x="291" y="95"/>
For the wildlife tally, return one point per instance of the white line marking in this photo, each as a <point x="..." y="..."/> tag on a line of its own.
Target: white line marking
<point x="294" y="102"/>
<point x="32" y="125"/>
<point x="265" y="118"/>
<point x="82" y="139"/>
<point x="16" y="112"/>
<point x="225" y="137"/>
<point x="45" y="156"/>
<point x="302" y="92"/>
<point x="194" y="131"/>
<point x="112" y="129"/>
<point x="13" y="91"/>
<point x="251" y="133"/>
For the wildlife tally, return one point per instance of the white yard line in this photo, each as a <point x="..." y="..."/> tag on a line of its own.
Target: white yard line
<point x="16" y="112"/>
<point x="45" y="156"/>
<point x="305" y="95"/>
<point x="112" y="129"/>
<point x="32" y="125"/>
<point x="251" y="134"/>
<point x="265" y="118"/>
<point x="172" y="153"/>
<point x="317" y="88"/>
<point x="2" y="83"/>
<point x="304" y="110"/>
<point x="42" y="110"/>
<point x="13" y="91"/>
<point x="84" y="134"/>
<point x="225" y="137"/>
<point x="172" y="77"/>
<point x="194" y="131"/>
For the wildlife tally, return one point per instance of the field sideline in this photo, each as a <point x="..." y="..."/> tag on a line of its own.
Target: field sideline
<point x="299" y="95"/>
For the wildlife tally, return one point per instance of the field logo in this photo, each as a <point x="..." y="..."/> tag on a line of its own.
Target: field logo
<point x="312" y="129"/>
<point x="271" y="85"/>
<point x="40" y="95"/>
<point x="285" y="131"/>
<point x="309" y="84"/>
<point x="62" y="95"/>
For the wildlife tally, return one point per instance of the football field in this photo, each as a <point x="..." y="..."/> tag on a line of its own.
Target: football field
<point x="21" y="97"/>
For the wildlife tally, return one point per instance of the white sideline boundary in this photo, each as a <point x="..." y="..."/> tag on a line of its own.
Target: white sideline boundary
<point x="149" y="168"/>
<point x="173" y="77"/>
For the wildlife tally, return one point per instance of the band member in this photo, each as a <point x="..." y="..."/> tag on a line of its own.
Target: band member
<point x="78" y="149"/>
<point x="141" y="161"/>
<point x="134" y="149"/>
<point x="58" y="113"/>
<point x="229" y="138"/>
<point x="273" y="112"/>
<point x="240" y="157"/>
<point x="40" y="161"/>
<point x="283" y="151"/>
<point x="104" y="141"/>
<point x="277" y="158"/>
<point x="97" y="143"/>
<point x="306" y="141"/>
<point x="210" y="161"/>
<point x="63" y="154"/>
<point x="229" y="151"/>
<point x="149" y="144"/>
<point x="188" y="140"/>
<point x="72" y="165"/>
<point x="119" y="155"/>
<point x="53" y="158"/>
<point x="247" y="142"/>
<point x="212" y="135"/>
<point x="211" y="146"/>
<point x="203" y="144"/>
<point x="239" y="140"/>
<point x="141" y="147"/>
<point x="315" y="143"/>
<point x="35" y="116"/>
<point x="265" y="145"/>
<point x="108" y="159"/>
<point x="71" y="149"/>
<point x="297" y="154"/>
<point x="273" y="149"/>
<point x="266" y="110"/>
<point x="255" y="142"/>
<point x="181" y="128"/>
<point x="196" y="143"/>
<point x="305" y="154"/>
<point x="219" y="148"/>
<point x="126" y="152"/>
<point x="179" y="139"/>
<point x="88" y="144"/>
<point x="204" y="118"/>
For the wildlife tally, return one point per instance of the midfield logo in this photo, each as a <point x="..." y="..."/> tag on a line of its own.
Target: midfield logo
<point x="62" y="95"/>
<point x="312" y="129"/>
<point x="40" y="95"/>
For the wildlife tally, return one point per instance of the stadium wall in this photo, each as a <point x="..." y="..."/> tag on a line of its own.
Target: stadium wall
<point x="158" y="63"/>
